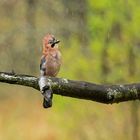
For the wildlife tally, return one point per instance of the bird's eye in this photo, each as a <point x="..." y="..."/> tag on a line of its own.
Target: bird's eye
<point x="50" y="41"/>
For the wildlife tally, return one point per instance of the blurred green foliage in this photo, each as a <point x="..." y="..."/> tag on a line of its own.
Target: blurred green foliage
<point x="100" y="43"/>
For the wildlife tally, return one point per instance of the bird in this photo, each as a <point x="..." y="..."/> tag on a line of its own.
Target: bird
<point x="49" y="67"/>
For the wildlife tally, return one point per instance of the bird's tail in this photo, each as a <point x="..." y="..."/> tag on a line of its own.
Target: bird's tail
<point x="46" y="92"/>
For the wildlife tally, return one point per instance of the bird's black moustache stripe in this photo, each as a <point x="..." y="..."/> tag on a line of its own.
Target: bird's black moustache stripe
<point x="55" y="42"/>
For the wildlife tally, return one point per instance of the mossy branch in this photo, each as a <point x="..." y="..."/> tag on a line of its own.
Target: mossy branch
<point x="79" y="89"/>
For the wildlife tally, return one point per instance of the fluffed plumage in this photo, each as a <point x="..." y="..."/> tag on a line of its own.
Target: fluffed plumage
<point x="49" y="66"/>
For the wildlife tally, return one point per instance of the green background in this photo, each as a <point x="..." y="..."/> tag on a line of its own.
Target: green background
<point x="100" y="43"/>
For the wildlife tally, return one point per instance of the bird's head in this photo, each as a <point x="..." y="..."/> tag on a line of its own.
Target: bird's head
<point x="49" y="41"/>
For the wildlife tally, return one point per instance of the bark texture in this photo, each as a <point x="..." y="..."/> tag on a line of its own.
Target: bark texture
<point x="107" y="94"/>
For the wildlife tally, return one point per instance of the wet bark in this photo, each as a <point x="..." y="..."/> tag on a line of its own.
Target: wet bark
<point x="107" y="94"/>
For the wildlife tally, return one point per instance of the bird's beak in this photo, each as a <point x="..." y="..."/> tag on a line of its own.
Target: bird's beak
<point x="56" y="41"/>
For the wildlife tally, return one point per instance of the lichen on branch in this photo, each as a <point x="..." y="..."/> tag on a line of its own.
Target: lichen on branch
<point x="107" y="94"/>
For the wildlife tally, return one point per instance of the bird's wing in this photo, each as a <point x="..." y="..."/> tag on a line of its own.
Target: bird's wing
<point x="43" y="66"/>
<point x="43" y="85"/>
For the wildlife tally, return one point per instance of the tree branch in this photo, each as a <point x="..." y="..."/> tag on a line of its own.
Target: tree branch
<point x="79" y="89"/>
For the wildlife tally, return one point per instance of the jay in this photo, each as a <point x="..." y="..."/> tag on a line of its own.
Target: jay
<point x="49" y="66"/>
